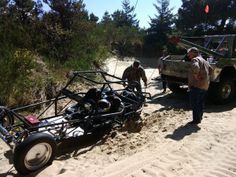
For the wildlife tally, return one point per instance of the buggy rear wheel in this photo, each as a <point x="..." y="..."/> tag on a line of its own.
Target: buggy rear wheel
<point x="37" y="151"/>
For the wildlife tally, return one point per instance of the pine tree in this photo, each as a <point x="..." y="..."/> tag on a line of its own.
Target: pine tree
<point x="126" y="16"/>
<point x="129" y="14"/>
<point x="193" y="19"/>
<point x="162" y="22"/>
<point x="106" y="19"/>
<point x="160" y="25"/>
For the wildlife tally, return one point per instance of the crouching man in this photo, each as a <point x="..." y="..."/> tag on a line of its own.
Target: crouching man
<point x="133" y="75"/>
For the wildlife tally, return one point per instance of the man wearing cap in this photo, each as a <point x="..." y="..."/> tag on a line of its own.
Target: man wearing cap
<point x="134" y="73"/>
<point x="198" y="82"/>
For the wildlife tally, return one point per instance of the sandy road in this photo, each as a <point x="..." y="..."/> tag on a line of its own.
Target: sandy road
<point x="165" y="147"/>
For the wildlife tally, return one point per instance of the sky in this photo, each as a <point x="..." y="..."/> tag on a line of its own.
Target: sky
<point x="144" y="8"/>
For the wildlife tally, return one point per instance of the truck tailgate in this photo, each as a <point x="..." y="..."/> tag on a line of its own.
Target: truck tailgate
<point x="176" y="68"/>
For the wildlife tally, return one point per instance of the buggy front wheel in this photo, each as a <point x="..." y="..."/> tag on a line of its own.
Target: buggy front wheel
<point x="37" y="151"/>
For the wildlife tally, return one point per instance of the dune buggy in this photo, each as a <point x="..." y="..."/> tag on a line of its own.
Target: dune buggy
<point x="73" y="112"/>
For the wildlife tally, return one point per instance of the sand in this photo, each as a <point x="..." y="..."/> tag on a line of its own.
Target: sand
<point x="166" y="146"/>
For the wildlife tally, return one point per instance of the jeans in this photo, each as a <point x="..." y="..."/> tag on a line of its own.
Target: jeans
<point x="197" y="101"/>
<point x="164" y="83"/>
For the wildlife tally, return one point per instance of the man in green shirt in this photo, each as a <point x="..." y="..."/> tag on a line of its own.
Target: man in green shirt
<point x="134" y="73"/>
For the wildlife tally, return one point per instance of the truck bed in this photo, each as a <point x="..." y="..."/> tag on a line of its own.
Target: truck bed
<point x="174" y="65"/>
<point x="176" y="68"/>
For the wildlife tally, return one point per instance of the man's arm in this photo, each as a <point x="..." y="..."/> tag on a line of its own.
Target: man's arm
<point x="143" y="76"/>
<point x="125" y="74"/>
<point x="210" y="70"/>
<point x="195" y="69"/>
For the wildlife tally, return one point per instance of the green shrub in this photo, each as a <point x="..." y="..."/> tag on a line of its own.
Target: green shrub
<point x="15" y="69"/>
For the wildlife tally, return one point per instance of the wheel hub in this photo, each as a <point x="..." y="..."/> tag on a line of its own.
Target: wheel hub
<point x="38" y="156"/>
<point x="226" y="91"/>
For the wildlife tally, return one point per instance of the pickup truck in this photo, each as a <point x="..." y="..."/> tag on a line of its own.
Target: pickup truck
<point x="220" y="52"/>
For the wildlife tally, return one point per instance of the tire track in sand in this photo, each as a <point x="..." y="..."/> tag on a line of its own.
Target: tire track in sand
<point x="211" y="152"/>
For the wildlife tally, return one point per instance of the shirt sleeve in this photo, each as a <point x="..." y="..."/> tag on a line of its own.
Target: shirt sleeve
<point x="143" y="75"/>
<point x="125" y="74"/>
<point x="210" y="70"/>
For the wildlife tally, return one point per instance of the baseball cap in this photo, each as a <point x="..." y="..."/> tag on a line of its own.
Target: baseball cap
<point x="193" y="49"/>
<point x="136" y="63"/>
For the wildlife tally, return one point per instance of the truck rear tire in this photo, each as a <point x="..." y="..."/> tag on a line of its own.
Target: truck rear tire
<point x="223" y="92"/>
